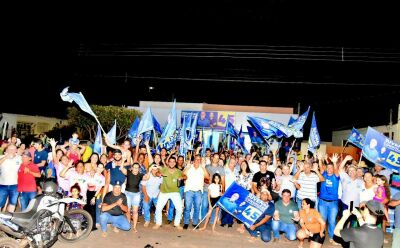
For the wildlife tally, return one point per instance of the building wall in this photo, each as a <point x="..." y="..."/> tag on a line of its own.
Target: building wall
<point x="36" y="124"/>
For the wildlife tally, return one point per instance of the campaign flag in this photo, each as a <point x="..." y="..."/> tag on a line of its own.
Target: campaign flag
<point x="254" y="136"/>
<point x="356" y="138"/>
<point x="133" y="131"/>
<point x="313" y="140"/>
<point x="267" y="128"/>
<point x="230" y="130"/>
<point x="146" y="124"/>
<point x="381" y="150"/>
<point x="156" y="125"/>
<point x="98" y="142"/>
<point x="291" y="120"/>
<point x="112" y="134"/>
<point x="240" y="141"/>
<point x="79" y="99"/>
<point x="168" y="137"/>
<point x="298" y="124"/>
<point x="192" y="134"/>
<point x="182" y="134"/>
<point x="242" y="204"/>
<point x="215" y="140"/>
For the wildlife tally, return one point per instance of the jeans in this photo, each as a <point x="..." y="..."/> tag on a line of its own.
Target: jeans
<point x="162" y="200"/>
<point x="329" y="211"/>
<point x="119" y="221"/>
<point x="396" y="238"/>
<point x="204" y="204"/>
<point x="192" y="198"/>
<point x="226" y="218"/>
<point x="265" y="231"/>
<point x="288" y="229"/>
<point x="8" y="191"/>
<point x="171" y="204"/>
<point x="146" y="208"/>
<point x="98" y="210"/>
<point x="25" y="198"/>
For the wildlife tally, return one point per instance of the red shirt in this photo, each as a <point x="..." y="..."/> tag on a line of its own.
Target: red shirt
<point x="26" y="181"/>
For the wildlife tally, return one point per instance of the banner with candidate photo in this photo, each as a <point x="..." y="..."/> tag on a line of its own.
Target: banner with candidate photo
<point x="381" y="150"/>
<point x="215" y="120"/>
<point x="356" y="138"/>
<point x="242" y="205"/>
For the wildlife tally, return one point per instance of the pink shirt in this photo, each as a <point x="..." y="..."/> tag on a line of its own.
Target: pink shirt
<point x="383" y="190"/>
<point x="63" y="182"/>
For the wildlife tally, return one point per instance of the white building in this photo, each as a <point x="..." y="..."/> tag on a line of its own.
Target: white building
<point x="28" y="124"/>
<point x="161" y="111"/>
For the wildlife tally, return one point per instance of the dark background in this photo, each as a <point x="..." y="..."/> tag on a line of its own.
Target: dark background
<point x="341" y="58"/>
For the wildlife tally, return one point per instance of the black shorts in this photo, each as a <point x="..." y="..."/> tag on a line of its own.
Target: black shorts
<point x="317" y="238"/>
<point x="214" y="200"/>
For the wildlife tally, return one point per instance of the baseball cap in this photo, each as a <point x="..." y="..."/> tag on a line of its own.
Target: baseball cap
<point x="116" y="183"/>
<point x="375" y="207"/>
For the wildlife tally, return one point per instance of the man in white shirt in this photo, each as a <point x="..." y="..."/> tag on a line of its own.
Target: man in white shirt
<point x="194" y="184"/>
<point x="9" y="166"/>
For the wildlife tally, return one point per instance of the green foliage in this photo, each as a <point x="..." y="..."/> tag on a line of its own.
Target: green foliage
<point x="106" y="115"/>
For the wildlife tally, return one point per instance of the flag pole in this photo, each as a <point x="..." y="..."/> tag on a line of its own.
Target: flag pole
<point x="206" y="217"/>
<point x="345" y="145"/>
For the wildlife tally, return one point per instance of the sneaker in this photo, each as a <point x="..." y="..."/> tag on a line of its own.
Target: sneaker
<point x="178" y="227"/>
<point x="155" y="227"/>
<point x="194" y="225"/>
<point x="169" y="222"/>
<point x="333" y="242"/>
<point x="146" y="224"/>
<point x="222" y="225"/>
<point x="230" y="225"/>
<point x="185" y="226"/>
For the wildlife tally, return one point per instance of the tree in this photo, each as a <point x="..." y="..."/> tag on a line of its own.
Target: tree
<point x="106" y="115"/>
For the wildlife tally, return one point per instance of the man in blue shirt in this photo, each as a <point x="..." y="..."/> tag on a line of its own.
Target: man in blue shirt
<point x="115" y="171"/>
<point x="263" y="223"/>
<point x="370" y="151"/>
<point x="328" y="198"/>
<point x="203" y="121"/>
<point x="40" y="160"/>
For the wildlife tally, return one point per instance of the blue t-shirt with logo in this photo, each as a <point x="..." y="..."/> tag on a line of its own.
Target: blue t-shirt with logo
<point x="39" y="156"/>
<point x="116" y="173"/>
<point x="329" y="187"/>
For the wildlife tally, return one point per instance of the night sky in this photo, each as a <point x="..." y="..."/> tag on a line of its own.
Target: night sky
<point x="341" y="59"/>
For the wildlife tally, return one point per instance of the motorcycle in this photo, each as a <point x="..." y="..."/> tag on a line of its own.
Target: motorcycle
<point x="44" y="222"/>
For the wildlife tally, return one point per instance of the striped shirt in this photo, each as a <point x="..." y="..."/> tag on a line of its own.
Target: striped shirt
<point x="308" y="187"/>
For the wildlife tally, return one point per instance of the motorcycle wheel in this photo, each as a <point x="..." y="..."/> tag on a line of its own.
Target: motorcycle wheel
<point x="86" y="226"/>
<point x="8" y="243"/>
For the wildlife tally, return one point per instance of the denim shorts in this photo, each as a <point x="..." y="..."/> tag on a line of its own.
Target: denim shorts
<point x="133" y="199"/>
<point x="10" y="192"/>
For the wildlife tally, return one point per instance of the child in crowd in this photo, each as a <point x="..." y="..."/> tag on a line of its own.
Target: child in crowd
<point x="214" y="193"/>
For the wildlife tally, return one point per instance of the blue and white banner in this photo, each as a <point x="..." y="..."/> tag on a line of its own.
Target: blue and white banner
<point x="356" y="138"/>
<point x="313" y="140"/>
<point x="381" y="150"/>
<point x="242" y="205"/>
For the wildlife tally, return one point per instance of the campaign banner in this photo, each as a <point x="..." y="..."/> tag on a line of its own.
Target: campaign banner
<point x="381" y="150"/>
<point x="242" y="205"/>
<point x="216" y="120"/>
<point x="356" y="138"/>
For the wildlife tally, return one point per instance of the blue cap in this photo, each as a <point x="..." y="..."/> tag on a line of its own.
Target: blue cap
<point x="117" y="183"/>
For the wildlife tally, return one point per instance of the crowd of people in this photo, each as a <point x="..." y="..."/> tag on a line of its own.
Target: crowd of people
<point x="313" y="197"/>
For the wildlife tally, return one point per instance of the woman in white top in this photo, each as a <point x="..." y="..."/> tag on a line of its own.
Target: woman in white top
<point x="214" y="193"/>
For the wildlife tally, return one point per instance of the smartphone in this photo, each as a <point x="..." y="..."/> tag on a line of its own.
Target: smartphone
<point x="351" y="206"/>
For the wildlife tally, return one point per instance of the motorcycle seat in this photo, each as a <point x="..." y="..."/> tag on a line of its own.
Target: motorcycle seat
<point x="24" y="218"/>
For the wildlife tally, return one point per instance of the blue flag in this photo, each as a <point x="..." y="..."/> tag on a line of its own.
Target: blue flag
<point x="291" y="120"/>
<point x="230" y="130"/>
<point x="240" y="141"/>
<point x="298" y="124"/>
<point x="98" y="142"/>
<point x="242" y="205"/>
<point x="156" y="125"/>
<point x="168" y="137"/>
<point x="267" y="128"/>
<point x="146" y="124"/>
<point x="313" y="140"/>
<point x="381" y="150"/>
<point x="356" y="138"/>
<point x="255" y="137"/>
<point x="183" y="133"/>
<point x="79" y="99"/>
<point x="133" y="131"/>
<point x="192" y="134"/>
<point x="112" y="134"/>
<point x="203" y="148"/>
